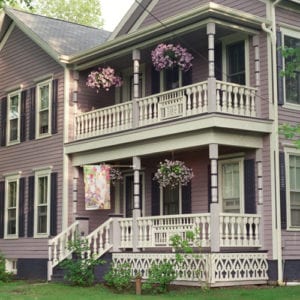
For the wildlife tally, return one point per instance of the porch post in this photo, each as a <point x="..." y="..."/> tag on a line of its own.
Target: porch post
<point x="136" y="213"/>
<point x="136" y="56"/>
<point x="211" y="81"/>
<point x="260" y="193"/>
<point x="214" y="205"/>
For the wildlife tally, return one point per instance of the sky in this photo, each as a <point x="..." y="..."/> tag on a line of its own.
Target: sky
<point x="113" y="11"/>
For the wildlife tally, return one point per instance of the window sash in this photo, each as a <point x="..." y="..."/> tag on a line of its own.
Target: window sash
<point x="294" y="189"/>
<point x="43" y="108"/>
<point x="11" y="207"/>
<point x="13" y="112"/>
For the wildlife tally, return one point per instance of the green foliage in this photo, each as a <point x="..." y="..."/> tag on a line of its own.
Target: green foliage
<point x="15" y="3"/>
<point x="80" y="270"/>
<point x="292" y="61"/>
<point x="291" y="132"/>
<point x="4" y="276"/>
<point x="160" y="277"/>
<point x="119" y="277"/>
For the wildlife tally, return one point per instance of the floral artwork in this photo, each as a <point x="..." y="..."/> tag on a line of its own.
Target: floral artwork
<point x="103" y="78"/>
<point x="166" y="56"/>
<point x="97" y="187"/>
<point x="172" y="173"/>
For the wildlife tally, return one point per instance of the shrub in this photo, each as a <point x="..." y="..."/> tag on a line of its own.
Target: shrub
<point x="4" y="276"/>
<point x="119" y="277"/>
<point x="160" y="277"/>
<point x="80" y="270"/>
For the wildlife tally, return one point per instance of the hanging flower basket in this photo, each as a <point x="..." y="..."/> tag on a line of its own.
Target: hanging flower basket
<point x="115" y="175"/>
<point x="104" y="78"/>
<point x="173" y="173"/>
<point x="166" y="56"/>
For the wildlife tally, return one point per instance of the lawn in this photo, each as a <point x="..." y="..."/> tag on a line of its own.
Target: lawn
<point x="49" y="291"/>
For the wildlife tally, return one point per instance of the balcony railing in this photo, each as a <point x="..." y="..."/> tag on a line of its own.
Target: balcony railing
<point x="174" y="104"/>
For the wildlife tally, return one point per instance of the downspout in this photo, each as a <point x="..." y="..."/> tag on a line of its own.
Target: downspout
<point x="272" y="32"/>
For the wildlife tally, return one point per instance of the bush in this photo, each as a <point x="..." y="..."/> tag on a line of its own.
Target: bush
<point x="119" y="277"/>
<point x="4" y="276"/>
<point x="80" y="270"/>
<point x="160" y="277"/>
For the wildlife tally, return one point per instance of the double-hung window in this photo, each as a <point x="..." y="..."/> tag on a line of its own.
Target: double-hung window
<point x="171" y="200"/>
<point x="43" y="127"/>
<point x="293" y="190"/>
<point x="13" y="120"/>
<point x="11" y="206"/>
<point x="292" y="83"/>
<point x="42" y="203"/>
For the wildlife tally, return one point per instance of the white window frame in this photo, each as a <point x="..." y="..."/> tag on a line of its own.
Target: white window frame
<point x="9" y="97"/>
<point x="163" y="80"/>
<point x="232" y="39"/>
<point x="8" y="180"/>
<point x="38" y="110"/>
<point x="161" y="201"/>
<point x="40" y="174"/>
<point x="294" y="34"/>
<point x="287" y="153"/>
<point x="239" y="160"/>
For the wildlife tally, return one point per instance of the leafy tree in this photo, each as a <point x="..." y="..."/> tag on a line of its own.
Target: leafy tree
<point x="77" y="11"/>
<point x="26" y="3"/>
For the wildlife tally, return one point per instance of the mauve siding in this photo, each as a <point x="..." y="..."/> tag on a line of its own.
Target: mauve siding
<point x="21" y="62"/>
<point x="290" y="239"/>
<point x="168" y="8"/>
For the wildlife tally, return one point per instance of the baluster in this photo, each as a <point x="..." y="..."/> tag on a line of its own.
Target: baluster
<point x="256" y="231"/>
<point x="218" y="91"/>
<point x="55" y="258"/>
<point x="188" y="101"/>
<point x="199" y="101"/>
<point x="205" y="103"/>
<point x="141" y="236"/>
<point x="141" y="113"/>
<point x="150" y="110"/>
<point x="251" y="238"/>
<point x="247" y="103"/>
<point x="253" y="104"/>
<point x="107" y="236"/>
<point x="155" y="110"/>
<point x="227" y="230"/>
<point x="235" y="100"/>
<point x="243" y="98"/>
<point x="222" y="231"/>
<point x="239" y="237"/>
<point x="226" y="98"/>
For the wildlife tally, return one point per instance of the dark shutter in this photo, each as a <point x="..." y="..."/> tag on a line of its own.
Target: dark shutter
<point x="209" y="186"/>
<point x="3" y="120"/>
<point x="53" y="205"/>
<point x="249" y="185"/>
<point x="186" y="191"/>
<point x="155" y="197"/>
<point x="2" y="197"/>
<point x="32" y="114"/>
<point x="30" y="214"/>
<point x="282" y="189"/>
<point x="279" y="44"/>
<point x="54" y="106"/>
<point x="218" y="61"/>
<point x="21" y="206"/>
<point x="155" y="81"/>
<point x="23" y="116"/>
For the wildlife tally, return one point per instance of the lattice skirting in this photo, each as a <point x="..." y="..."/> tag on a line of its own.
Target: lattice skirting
<point x="211" y="268"/>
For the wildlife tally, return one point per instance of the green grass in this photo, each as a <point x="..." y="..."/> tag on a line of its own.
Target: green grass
<point x="49" y="291"/>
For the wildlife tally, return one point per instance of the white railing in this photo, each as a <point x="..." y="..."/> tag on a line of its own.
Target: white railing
<point x="239" y="230"/>
<point x="126" y="232"/>
<point x="236" y="99"/>
<point x="157" y="231"/>
<point x="58" y="247"/>
<point x="99" y="240"/>
<point x="105" y="120"/>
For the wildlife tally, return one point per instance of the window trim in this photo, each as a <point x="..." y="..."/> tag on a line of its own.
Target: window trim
<point x="161" y="201"/>
<point x="38" y="174"/>
<point x="9" y="96"/>
<point x="293" y="34"/>
<point x="287" y="153"/>
<point x="8" y="179"/>
<point x="39" y="135"/>
<point x="222" y="162"/>
<point x="232" y="39"/>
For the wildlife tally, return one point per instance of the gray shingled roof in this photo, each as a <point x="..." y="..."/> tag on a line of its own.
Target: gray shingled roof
<point x="63" y="37"/>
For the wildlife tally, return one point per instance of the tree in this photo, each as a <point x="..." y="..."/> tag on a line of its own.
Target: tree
<point x="26" y="3"/>
<point x="78" y="11"/>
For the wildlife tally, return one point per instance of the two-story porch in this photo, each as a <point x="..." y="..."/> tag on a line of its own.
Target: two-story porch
<point x="213" y="117"/>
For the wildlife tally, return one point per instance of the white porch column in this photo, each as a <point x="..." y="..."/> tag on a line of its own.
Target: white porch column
<point x="255" y="44"/>
<point x="136" y="213"/>
<point x="259" y="194"/>
<point x="136" y="56"/>
<point x="215" y="208"/>
<point x="211" y="31"/>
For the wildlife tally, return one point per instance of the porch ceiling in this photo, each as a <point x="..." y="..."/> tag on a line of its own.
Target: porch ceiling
<point x="184" y="134"/>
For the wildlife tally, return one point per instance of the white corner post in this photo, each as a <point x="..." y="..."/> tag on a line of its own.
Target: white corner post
<point x="136" y="56"/>
<point x="215" y="208"/>
<point x="260" y="195"/>
<point x="136" y="213"/>
<point x="211" y="81"/>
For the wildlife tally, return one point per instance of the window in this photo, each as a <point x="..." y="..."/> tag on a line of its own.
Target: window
<point x="11" y="206"/>
<point x="171" y="201"/>
<point x="42" y="203"/>
<point x="292" y="85"/>
<point x="43" y="127"/>
<point x="231" y="185"/>
<point x="293" y="187"/>
<point x="13" y="125"/>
